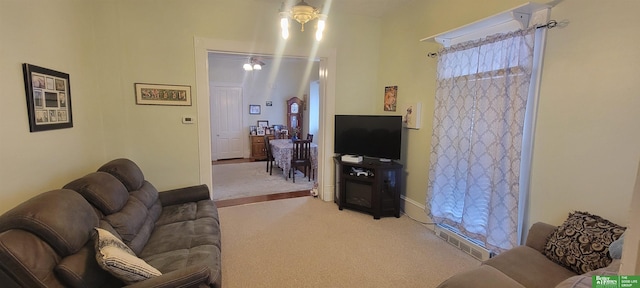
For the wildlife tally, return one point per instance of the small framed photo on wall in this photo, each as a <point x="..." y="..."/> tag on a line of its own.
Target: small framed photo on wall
<point x="390" y="98"/>
<point x="254" y="109"/>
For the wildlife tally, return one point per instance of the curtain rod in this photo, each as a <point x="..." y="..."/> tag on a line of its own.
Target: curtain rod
<point x="550" y="25"/>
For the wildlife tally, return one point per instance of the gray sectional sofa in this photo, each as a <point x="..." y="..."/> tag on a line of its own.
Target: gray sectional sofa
<point x="48" y="241"/>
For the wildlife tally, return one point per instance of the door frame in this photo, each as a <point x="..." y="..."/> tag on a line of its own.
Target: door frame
<point x="327" y="56"/>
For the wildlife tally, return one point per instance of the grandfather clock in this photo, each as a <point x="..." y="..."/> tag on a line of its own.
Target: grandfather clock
<point x="294" y="117"/>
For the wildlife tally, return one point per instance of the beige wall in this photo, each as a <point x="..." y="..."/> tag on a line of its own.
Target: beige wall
<point x="587" y="139"/>
<point x="55" y="35"/>
<point x="587" y="144"/>
<point x="107" y="46"/>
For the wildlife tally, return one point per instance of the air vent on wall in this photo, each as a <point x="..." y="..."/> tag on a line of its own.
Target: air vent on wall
<point x="462" y="243"/>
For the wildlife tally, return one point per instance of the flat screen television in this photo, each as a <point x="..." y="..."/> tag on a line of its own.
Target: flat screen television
<point x="375" y="136"/>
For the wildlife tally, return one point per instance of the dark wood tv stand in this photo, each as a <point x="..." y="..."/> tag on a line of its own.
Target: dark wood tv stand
<point x="377" y="193"/>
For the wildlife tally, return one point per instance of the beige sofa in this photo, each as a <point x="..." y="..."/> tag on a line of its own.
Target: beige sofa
<point x="525" y="267"/>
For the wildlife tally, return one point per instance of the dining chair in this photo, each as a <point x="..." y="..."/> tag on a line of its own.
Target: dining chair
<point x="310" y="137"/>
<point x="301" y="157"/>
<point x="270" y="158"/>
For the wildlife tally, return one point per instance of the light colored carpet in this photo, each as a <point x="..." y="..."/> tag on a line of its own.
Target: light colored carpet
<point x="239" y="180"/>
<point x="306" y="242"/>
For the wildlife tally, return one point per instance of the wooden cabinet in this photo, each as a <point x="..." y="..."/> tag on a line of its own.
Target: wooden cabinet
<point x="258" y="147"/>
<point x="371" y="186"/>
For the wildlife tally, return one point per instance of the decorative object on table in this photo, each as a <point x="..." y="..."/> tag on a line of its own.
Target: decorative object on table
<point x="160" y="94"/>
<point x="254" y="109"/>
<point x="48" y="98"/>
<point x="390" y="98"/>
<point x="412" y="115"/>
<point x="260" y="131"/>
<point x="263" y="123"/>
<point x="253" y="130"/>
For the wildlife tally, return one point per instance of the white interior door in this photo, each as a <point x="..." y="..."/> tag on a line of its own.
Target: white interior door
<point x="226" y="118"/>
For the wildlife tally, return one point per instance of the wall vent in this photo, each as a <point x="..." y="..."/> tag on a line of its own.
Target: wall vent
<point x="462" y="242"/>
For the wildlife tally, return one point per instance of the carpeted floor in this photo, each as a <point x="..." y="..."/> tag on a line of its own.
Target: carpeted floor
<point x="306" y="242"/>
<point x="239" y="180"/>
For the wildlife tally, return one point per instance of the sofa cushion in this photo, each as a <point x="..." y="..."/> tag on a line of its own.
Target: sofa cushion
<point x="198" y="242"/>
<point x="581" y="243"/>
<point x="116" y="258"/>
<point x="126" y="171"/>
<point x="615" y="249"/>
<point x="586" y="280"/>
<point x="482" y="277"/>
<point x="81" y="269"/>
<point x="48" y="216"/>
<point x="102" y="190"/>
<point x="529" y="267"/>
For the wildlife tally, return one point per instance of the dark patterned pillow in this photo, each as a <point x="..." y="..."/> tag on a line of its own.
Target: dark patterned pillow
<point x="582" y="242"/>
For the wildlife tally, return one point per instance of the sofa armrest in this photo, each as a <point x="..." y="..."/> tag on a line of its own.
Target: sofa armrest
<point x="184" y="195"/>
<point x="192" y="276"/>
<point x="538" y="234"/>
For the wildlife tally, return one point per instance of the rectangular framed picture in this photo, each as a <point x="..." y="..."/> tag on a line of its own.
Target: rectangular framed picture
<point x="160" y="94"/>
<point x="254" y="109"/>
<point x="263" y="123"/>
<point x="390" y="98"/>
<point x="48" y="98"/>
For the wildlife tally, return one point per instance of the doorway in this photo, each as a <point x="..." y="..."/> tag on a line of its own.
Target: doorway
<point x="327" y="56"/>
<point x="232" y="91"/>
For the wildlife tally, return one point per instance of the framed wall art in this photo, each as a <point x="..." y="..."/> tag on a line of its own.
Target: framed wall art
<point x="412" y="115"/>
<point x="48" y="98"/>
<point x="160" y="94"/>
<point x="390" y="98"/>
<point x="254" y="109"/>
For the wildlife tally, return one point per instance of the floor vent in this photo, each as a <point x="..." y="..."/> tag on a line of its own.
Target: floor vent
<point x="463" y="243"/>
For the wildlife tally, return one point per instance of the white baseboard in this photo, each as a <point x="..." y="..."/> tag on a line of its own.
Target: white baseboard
<point x="414" y="210"/>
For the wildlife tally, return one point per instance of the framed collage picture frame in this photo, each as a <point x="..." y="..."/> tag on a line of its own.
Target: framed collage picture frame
<point x="48" y="98"/>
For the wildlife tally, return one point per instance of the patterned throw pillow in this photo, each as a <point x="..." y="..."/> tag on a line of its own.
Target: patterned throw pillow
<point x="582" y="242"/>
<point x="118" y="259"/>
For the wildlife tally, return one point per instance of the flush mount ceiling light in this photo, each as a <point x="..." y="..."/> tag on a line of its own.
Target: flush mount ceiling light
<point x="254" y="64"/>
<point x="302" y="13"/>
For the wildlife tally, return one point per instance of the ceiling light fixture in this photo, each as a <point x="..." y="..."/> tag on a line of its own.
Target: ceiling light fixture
<point x="254" y="64"/>
<point x="302" y="13"/>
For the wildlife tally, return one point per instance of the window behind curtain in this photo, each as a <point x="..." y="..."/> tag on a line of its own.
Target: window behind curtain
<point x="479" y="122"/>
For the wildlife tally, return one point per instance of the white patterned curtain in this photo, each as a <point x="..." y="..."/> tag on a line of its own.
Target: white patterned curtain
<point x="481" y="100"/>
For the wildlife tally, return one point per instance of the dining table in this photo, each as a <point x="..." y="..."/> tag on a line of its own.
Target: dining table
<point x="282" y="149"/>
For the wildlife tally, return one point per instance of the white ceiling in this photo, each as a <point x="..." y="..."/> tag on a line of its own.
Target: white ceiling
<point x="375" y="8"/>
